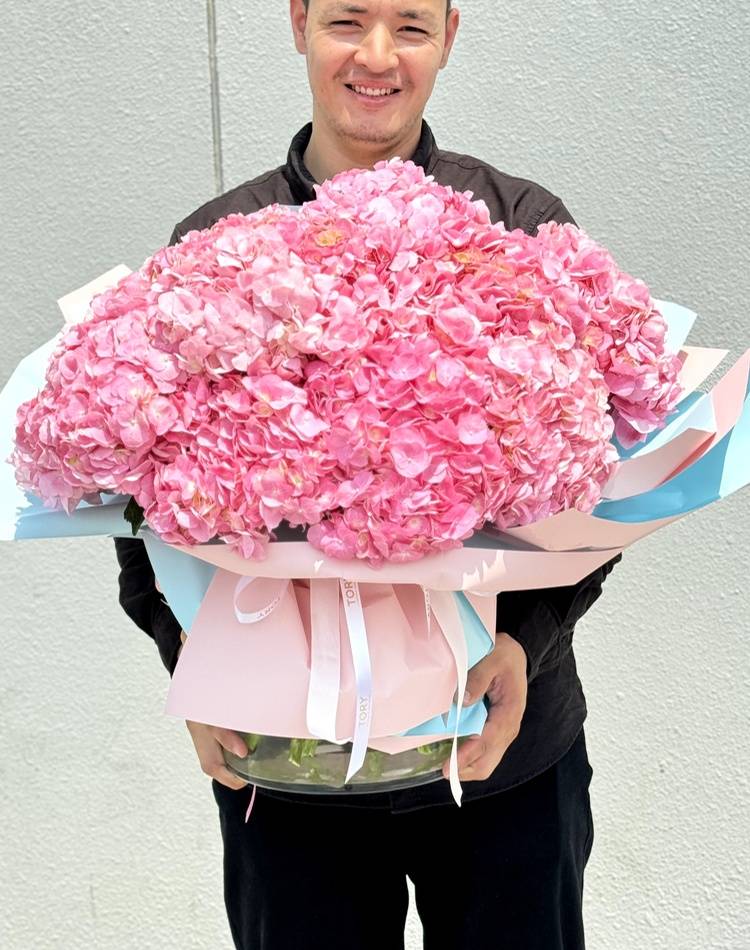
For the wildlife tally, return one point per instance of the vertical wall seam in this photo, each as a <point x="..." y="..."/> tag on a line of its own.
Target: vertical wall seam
<point x="213" y="72"/>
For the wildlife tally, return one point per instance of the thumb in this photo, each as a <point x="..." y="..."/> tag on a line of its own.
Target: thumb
<point x="231" y="741"/>
<point x="478" y="681"/>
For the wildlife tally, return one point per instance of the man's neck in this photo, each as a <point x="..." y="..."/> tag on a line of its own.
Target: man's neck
<point x="326" y="156"/>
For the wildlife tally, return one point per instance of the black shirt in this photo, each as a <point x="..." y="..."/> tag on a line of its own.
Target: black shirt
<point x="541" y="620"/>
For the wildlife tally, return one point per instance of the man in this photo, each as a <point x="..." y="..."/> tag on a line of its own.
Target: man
<point x="506" y="869"/>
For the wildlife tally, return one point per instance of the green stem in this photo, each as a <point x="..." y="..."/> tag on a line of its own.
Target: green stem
<point x="374" y="761"/>
<point x="251" y="741"/>
<point x="300" y="749"/>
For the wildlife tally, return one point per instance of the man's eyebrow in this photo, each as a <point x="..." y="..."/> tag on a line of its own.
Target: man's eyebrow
<point x="338" y="8"/>
<point x="422" y="16"/>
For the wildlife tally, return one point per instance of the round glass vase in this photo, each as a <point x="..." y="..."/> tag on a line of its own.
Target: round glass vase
<point x="314" y="766"/>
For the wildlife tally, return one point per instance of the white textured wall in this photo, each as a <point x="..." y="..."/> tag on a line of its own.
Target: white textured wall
<point x="636" y="114"/>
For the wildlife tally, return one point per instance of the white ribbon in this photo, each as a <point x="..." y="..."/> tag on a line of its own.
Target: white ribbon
<point x="446" y="611"/>
<point x="427" y="609"/>
<point x="325" y="659"/>
<point x="355" y="622"/>
<point x="255" y="615"/>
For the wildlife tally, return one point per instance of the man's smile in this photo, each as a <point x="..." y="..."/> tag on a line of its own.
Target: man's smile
<point x="372" y="94"/>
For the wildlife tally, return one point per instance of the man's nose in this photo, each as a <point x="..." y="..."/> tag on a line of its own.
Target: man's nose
<point x="377" y="51"/>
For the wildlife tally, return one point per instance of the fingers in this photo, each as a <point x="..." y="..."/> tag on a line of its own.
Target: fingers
<point x="232" y="741"/>
<point x="208" y="742"/>
<point x="507" y="658"/>
<point x="480" y="755"/>
<point x="479" y="679"/>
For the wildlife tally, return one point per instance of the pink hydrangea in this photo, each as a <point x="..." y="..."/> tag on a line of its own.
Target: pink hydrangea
<point x="384" y="366"/>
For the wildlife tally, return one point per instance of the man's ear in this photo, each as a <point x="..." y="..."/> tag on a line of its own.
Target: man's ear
<point x="298" y="16"/>
<point x="451" y="27"/>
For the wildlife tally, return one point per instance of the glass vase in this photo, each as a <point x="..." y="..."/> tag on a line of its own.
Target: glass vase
<point x="317" y="767"/>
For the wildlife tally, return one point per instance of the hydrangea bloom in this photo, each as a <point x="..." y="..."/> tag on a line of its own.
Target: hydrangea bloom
<point x="383" y="365"/>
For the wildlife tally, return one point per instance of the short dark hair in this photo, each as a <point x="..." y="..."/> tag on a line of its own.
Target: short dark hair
<point x="447" y="10"/>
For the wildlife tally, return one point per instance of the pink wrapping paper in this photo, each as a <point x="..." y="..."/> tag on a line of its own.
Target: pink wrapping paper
<point x="256" y="677"/>
<point x="698" y="364"/>
<point x="476" y="570"/>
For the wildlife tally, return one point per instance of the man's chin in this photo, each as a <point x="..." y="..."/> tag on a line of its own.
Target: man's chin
<point x="371" y="137"/>
<point x="373" y="133"/>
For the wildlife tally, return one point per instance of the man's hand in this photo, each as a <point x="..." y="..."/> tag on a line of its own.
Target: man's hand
<point x="501" y="676"/>
<point x="210" y="740"/>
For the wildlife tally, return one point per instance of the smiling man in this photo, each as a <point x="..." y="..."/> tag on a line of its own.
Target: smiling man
<point x="371" y="68"/>
<point x="330" y="871"/>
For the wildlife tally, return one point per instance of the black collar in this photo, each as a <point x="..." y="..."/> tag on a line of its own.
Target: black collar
<point x="301" y="181"/>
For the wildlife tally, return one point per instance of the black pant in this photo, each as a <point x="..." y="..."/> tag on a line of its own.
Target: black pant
<point x="503" y="872"/>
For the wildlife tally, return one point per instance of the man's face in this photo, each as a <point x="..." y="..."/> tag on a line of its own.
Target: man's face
<point x="372" y="64"/>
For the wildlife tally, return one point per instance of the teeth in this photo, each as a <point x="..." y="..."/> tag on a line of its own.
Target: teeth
<point x="372" y="92"/>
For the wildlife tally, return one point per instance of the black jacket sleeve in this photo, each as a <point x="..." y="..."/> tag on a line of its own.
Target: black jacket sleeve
<point x="143" y="603"/>
<point x="139" y="597"/>
<point x="542" y="621"/>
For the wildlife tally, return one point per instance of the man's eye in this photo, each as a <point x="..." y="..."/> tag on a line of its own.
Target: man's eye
<point x="343" y="23"/>
<point x="415" y="29"/>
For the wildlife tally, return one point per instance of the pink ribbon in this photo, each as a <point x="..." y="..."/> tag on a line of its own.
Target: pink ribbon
<point x="250" y="806"/>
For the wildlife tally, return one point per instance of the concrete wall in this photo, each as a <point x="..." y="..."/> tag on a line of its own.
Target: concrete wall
<point x="636" y="114"/>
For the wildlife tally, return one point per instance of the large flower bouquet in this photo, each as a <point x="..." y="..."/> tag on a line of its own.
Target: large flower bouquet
<point x="384" y="366"/>
<point x="392" y="374"/>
